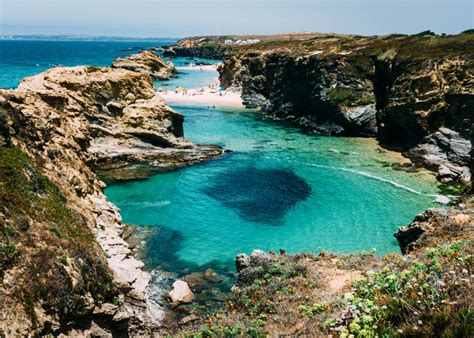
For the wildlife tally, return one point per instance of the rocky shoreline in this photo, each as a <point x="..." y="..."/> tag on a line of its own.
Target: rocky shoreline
<point x="415" y="95"/>
<point x="67" y="124"/>
<point x="68" y="269"/>
<point x="148" y="63"/>
<point x="385" y="87"/>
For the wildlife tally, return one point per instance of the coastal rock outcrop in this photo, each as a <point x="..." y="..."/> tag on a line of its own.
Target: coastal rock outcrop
<point x="415" y="93"/>
<point x="324" y="94"/>
<point x="438" y="226"/>
<point x="66" y="262"/>
<point x="147" y="63"/>
<point x="445" y="152"/>
<point x="127" y="129"/>
<point x="201" y="47"/>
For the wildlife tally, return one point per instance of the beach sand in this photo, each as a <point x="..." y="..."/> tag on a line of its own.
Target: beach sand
<point x="207" y="68"/>
<point x="204" y="96"/>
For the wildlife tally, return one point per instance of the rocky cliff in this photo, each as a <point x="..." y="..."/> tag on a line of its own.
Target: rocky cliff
<point x="64" y="265"/>
<point x="414" y="92"/>
<point x="147" y="63"/>
<point x="202" y="47"/>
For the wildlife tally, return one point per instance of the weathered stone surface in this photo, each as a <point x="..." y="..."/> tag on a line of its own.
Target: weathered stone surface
<point x="352" y="86"/>
<point x="181" y="293"/>
<point x="72" y="122"/>
<point x="242" y="261"/>
<point x="446" y="152"/>
<point x="128" y="130"/>
<point x="197" y="47"/>
<point x="188" y="319"/>
<point x="147" y="63"/>
<point x="248" y="267"/>
<point x="307" y="89"/>
<point x="437" y="226"/>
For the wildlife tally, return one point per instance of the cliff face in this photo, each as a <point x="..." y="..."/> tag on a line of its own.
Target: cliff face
<point x="415" y="93"/>
<point x="63" y="260"/>
<point x="147" y="63"/>
<point x="325" y="94"/>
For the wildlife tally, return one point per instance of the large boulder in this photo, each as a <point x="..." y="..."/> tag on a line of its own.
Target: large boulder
<point x="446" y="152"/>
<point x="181" y="293"/>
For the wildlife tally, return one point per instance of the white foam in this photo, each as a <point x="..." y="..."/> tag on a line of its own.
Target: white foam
<point x="442" y="199"/>
<point x="147" y="204"/>
<point x="371" y="176"/>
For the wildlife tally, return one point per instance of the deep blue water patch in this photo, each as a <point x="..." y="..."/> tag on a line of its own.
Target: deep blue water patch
<point x="162" y="253"/>
<point x="259" y="195"/>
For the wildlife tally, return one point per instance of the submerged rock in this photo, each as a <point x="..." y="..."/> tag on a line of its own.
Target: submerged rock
<point x="259" y="195"/>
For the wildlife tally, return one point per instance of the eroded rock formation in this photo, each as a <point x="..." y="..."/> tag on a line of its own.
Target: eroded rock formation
<point x="66" y="262"/>
<point x="415" y="93"/>
<point x="202" y="47"/>
<point x="438" y="226"/>
<point x="147" y="63"/>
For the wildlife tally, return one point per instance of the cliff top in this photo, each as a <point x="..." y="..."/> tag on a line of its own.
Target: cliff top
<point x="419" y="45"/>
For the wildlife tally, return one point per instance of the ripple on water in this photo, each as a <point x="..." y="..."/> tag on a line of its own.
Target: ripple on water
<point x="259" y="195"/>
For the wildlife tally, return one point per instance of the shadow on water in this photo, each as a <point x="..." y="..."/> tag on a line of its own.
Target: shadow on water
<point x="259" y="195"/>
<point x="211" y="283"/>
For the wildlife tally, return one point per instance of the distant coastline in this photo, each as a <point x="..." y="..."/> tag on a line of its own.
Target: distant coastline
<point x="41" y="37"/>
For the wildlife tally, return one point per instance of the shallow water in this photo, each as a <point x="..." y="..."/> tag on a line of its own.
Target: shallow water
<point x="278" y="188"/>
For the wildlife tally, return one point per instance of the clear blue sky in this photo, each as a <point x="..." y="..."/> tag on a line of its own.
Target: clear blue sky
<point x="176" y="18"/>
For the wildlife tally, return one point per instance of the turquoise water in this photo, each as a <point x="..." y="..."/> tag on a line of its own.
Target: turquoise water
<point x="19" y="59"/>
<point x="190" y="77"/>
<point x="279" y="188"/>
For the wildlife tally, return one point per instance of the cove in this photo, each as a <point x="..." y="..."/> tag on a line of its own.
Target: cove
<point x="278" y="188"/>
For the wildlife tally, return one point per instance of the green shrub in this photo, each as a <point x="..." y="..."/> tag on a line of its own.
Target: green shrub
<point x="425" y="33"/>
<point x="311" y="310"/>
<point x="8" y="256"/>
<point x="63" y="259"/>
<point x="342" y="95"/>
<point x="411" y="301"/>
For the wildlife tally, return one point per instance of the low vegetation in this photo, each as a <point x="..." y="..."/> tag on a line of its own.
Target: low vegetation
<point x="350" y="97"/>
<point x="42" y="241"/>
<point x="430" y="297"/>
<point x="426" y="295"/>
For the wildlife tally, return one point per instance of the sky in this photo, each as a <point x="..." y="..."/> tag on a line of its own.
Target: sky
<point x="178" y="18"/>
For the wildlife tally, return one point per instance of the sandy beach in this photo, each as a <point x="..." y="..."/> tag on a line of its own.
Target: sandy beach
<point x="210" y="96"/>
<point x="212" y="67"/>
